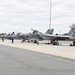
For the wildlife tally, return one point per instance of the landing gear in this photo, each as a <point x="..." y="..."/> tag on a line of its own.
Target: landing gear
<point x="73" y="43"/>
<point x="35" y="41"/>
<point x="55" y="42"/>
<point x="2" y="39"/>
<point x="12" y="41"/>
<point x="23" y="40"/>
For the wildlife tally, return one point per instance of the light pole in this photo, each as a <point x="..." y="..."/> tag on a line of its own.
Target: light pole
<point x="50" y="16"/>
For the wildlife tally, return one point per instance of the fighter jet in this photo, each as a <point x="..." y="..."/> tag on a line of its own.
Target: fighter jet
<point x="10" y="36"/>
<point x="53" y="38"/>
<point x="32" y="36"/>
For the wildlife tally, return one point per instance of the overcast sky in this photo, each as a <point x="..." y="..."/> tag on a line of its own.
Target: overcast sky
<point x="22" y="15"/>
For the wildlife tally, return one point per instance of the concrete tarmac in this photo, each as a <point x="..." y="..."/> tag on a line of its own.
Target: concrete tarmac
<point x="62" y="50"/>
<point x="16" y="61"/>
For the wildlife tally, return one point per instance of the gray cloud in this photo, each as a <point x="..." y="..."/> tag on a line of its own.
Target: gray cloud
<point x="25" y="14"/>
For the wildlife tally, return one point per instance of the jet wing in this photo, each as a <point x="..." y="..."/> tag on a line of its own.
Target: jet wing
<point x="56" y="37"/>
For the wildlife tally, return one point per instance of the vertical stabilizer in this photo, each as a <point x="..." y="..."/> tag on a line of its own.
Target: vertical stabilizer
<point x="50" y="31"/>
<point x="72" y="31"/>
